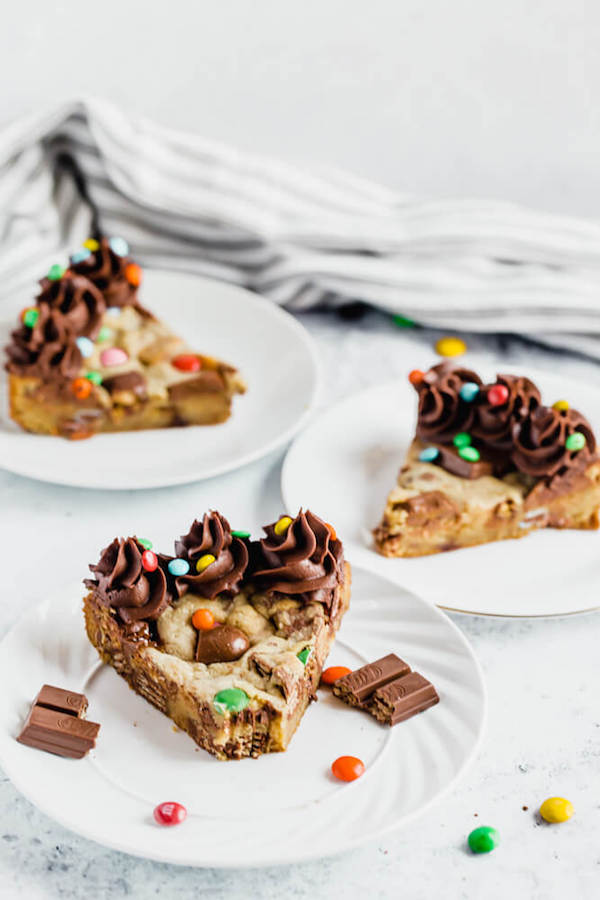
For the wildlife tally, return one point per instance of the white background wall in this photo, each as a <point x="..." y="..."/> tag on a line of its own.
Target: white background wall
<point x="486" y="97"/>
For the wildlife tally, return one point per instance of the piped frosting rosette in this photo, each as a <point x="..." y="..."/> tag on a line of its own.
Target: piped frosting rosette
<point x="442" y="410"/>
<point x="551" y="441"/>
<point x="217" y="560"/>
<point x="75" y="298"/>
<point x="47" y="350"/>
<point x="106" y="262"/>
<point x="495" y="417"/>
<point x="124" y="582"/>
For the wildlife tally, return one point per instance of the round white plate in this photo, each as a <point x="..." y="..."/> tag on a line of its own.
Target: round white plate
<point x="280" y="808"/>
<point x="271" y="349"/>
<point x="346" y="462"/>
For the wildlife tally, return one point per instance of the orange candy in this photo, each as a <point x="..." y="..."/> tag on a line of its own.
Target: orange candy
<point x="82" y="388"/>
<point x="332" y="532"/>
<point x="348" y="768"/>
<point x="203" y="620"/>
<point x="333" y="673"/>
<point x="80" y="435"/>
<point x="133" y="274"/>
<point x="416" y="377"/>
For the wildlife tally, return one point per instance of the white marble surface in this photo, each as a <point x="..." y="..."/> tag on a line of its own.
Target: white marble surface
<point x="544" y="722"/>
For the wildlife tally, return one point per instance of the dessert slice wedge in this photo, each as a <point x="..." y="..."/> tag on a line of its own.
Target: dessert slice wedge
<point x="229" y="637"/>
<point x="488" y="462"/>
<point x="88" y="358"/>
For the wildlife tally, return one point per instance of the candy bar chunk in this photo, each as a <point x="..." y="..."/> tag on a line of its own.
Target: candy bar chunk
<point x="62" y="701"/>
<point x="402" y="698"/>
<point x="56" y="724"/>
<point x="358" y="686"/>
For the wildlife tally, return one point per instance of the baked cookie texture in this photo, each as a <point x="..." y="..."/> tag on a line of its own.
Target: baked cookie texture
<point x="523" y="466"/>
<point x="240" y="688"/>
<point x="89" y="358"/>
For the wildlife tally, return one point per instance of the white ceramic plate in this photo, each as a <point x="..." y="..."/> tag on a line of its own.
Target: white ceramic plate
<point x="345" y="463"/>
<point x="273" y="352"/>
<point x="281" y="808"/>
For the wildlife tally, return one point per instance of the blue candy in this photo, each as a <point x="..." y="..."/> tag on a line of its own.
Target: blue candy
<point x="113" y="311"/>
<point x="119" y="246"/>
<point x="178" y="567"/>
<point x="429" y="454"/>
<point x="86" y="348"/>
<point x="469" y="391"/>
<point x="80" y="255"/>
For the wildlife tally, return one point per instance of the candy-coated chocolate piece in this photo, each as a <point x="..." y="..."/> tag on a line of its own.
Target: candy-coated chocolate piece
<point x="79" y="435"/>
<point x="242" y="535"/>
<point x="575" y="441"/>
<point x="230" y="700"/>
<point x="94" y="377"/>
<point x="416" y="377"/>
<point x="450" y="346"/>
<point x="556" y="809"/>
<point x="55" y="272"/>
<point x="332" y="532"/>
<point x="178" y="567"/>
<point x="149" y="561"/>
<point x="81" y="255"/>
<point x="133" y="274"/>
<point x="469" y="391"/>
<point x="403" y="322"/>
<point x="114" y="356"/>
<point x="462" y="439"/>
<point x="483" y="839"/>
<point x="203" y="620"/>
<point x="169" y="813"/>
<point x="429" y="454"/>
<point x="304" y="654"/>
<point x="146" y="544"/>
<point x="204" y="562"/>
<point x="561" y="405"/>
<point x="497" y="395"/>
<point x="91" y="244"/>
<point x="282" y="525"/>
<point x="30" y="316"/>
<point x="104" y="334"/>
<point x="471" y="454"/>
<point x="348" y="768"/>
<point x="86" y="347"/>
<point x="81" y="387"/>
<point x="119" y="246"/>
<point x="113" y="311"/>
<point x="332" y="674"/>
<point x="221" y="644"/>
<point x="186" y="362"/>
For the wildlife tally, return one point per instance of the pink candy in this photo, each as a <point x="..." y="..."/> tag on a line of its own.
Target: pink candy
<point x="114" y="356"/>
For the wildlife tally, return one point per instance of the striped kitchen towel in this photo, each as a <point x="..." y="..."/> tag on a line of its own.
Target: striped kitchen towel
<point x="301" y="238"/>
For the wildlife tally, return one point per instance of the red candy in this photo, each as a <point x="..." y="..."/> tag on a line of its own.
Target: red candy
<point x="186" y="362"/>
<point x="416" y="377"/>
<point x="497" y="394"/>
<point x="348" y="768"/>
<point x="170" y="813"/>
<point x="332" y="674"/>
<point x="149" y="561"/>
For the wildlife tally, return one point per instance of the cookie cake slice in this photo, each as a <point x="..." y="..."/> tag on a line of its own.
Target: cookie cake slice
<point x="229" y="636"/>
<point x="488" y="462"/>
<point x="89" y="358"/>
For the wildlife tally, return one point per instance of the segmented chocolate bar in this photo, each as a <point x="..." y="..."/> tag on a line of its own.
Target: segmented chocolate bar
<point x="358" y="686"/>
<point x="55" y="724"/>
<point x="402" y="698"/>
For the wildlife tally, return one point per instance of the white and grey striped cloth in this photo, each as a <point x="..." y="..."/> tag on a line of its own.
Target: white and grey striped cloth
<point x="301" y="238"/>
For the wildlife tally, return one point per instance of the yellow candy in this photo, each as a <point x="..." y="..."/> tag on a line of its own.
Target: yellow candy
<point x="282" y="525"/>
<point x="91" y="244"/>
<point x="561" y="405"/>
<point x="204" y="562"/>
<point x="450" y="346"/>
<point x="556" y="809"/>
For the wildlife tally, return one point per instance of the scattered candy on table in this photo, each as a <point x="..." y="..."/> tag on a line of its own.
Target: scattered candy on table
<point x="556" y="809"/>
<point x="149" y="561"/>
<point x="55" y="272"/>
<point x="561" y="405"/>
<point x="203" y="620"/>
<point x="483" y="839"/>
<point x="94" y="377"/>
<point x="462" y="439"/>
<point x="242" y="535"/>
<point x="403" y="322"/>
<point x="331" y="674"/>
<point x="471" y="454"/>
<point x="81" y="387"/>
<point x="204" y="562"/>
<point x="348" y="768"/>
<point x="304" y="654"/>
<point x="416" y="376"/>
<point x="469" y="391"/>
<point x="282" y="525"/>
<point x="170" y="813"/>
<point x="81" y="255"/>
<point x="497" y="395"/>
<point x="119" y="246"/>
<point x="133" y="274"/>
<point x="146" y="544"/>
<point x="178" y="567"/>
<point x="575" y="441"/>
<point x="91" y="244"/>
<point x="86" y="347"/>
<point x="186" y="362"/>
<point x="450" y="346"/>
<point x="429" y="454"/>
<point x="114" y="356"/>
<point x="230" y="700"/>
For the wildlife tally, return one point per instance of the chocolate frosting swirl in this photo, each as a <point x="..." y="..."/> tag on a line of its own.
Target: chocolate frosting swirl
<point x="442" y="411"/>
<point x="211" y="535"/>
<point x="77" y="300"/>
<point x="539" y="442"/>
<point x="493" y="425"/>
<point x="123" y="583"/>
<point x="106" y="269"/>
<point x="46" y="351"/>
<point x="305" y="562"/>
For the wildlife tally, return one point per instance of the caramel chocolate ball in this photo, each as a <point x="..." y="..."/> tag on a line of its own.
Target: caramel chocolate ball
<point x="224" y="643"/>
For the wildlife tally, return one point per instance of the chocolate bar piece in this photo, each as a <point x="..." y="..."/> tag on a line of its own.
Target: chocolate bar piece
<point x="358" y="686"/>
<point x="402" y="698"/>
<point x="55" y="723"/>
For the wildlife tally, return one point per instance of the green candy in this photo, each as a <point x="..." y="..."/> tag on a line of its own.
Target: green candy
<point x="146" y="544"/>
<point x="230" y="700"/>
<point x="471" y="454"/>
<point x="483" y="839"/>
<point x="56" y="272"/>
<point x="575" y="441"/>
<point x="31" y="317"/>
<point x="94" y="377"/>
<point x="304" y="654"/>
<point x="104" y="334"/>
<point x="403" y="322"/>
<point x="242" y="535"/>
<point x="462" y="439"/>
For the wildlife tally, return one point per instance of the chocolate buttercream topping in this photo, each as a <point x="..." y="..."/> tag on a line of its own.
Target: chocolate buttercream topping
<point x="306" y="561"/>
<point x="46" y="351"/>
<point x="493" y="424"/>
<point x="122" y="582"/>
<point x="212" y="536"/>
<point x="442" y="411"/>
<point x="77" y="300"/>
<point x="106" y="270"/>
<point x="540" y="442"/>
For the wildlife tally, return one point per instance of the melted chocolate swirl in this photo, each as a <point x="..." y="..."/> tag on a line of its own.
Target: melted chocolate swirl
<point x="442" y="411"/>
<point x="212" y="536"/>
<point x="540" y="442"/>
<point x="122" y="582"/>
